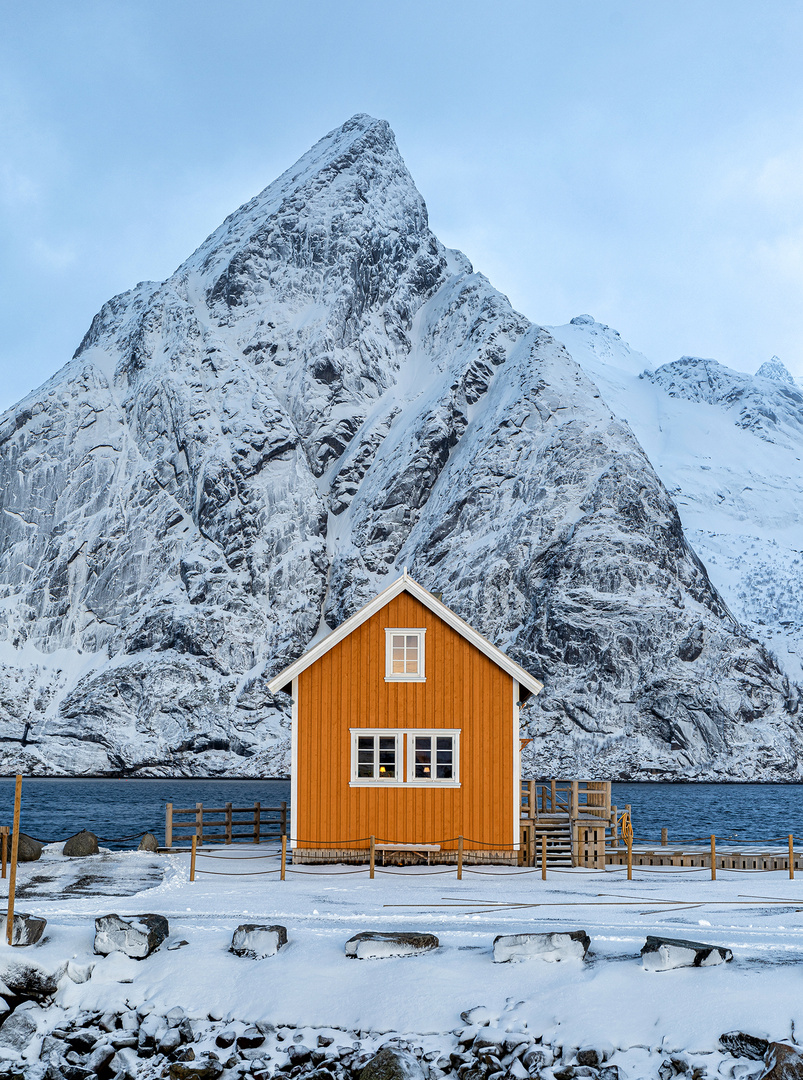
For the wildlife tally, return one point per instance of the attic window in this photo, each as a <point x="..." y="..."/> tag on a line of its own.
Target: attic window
<point x="404" y="655"/>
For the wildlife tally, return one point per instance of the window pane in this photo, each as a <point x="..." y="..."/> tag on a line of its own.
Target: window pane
<point x="387" y="758"/>
<point x="398" y="641"/>
<point x="365" y="757"/>
<point x="444" y="771"/>
<point x="412" y="643"/>
<point x="423" y="757"/>
<point x="398" y="654"/>
<point x="397" y="667"/>
<point x="445" y="742"/>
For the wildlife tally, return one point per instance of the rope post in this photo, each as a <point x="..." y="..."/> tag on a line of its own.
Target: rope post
<point x="629" y="856"/>
<point x="192" y="858"/>
<point x="460" y="858"/>
<point x="228" y="822"/>
<point x="284" y="856"/>
<point x="4" y="846"/>
<point x="15" y="843"/>
<point x="373" y="854"/>
<point x="553" y="795"/>
<point x="664" y="837"/>
<point x="284" y="817"/>
<point x="543" y="856"/>
<point x="199" y="822"/>
<point x="257" y="821"/>
<point x="791" y="856"/>
<point x="615" y="826"/>
<point x="168" y="826"/>
<point x="713" y="857"/>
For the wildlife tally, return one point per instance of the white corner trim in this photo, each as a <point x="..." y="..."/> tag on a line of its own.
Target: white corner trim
<point x="516" y="769"/>
<point x="294" y="765"/>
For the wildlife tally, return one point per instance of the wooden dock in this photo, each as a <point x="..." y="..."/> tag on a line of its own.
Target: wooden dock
<point x="728" y="856"/>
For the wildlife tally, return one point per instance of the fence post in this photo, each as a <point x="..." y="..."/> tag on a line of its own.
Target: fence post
<point x="228" y="822"/>
<point x="630" y="855"/>
<point x="199" y="822"/>
<point x="373" y="854"/>
<point x="615" y="826"/>
<point x="4" y="845"/>
<point x="791" y="856"/>
<point x="460" y="858"/>
<point x="664" y="837"/>
<point x="168" y="826"/>
<point x="284" y="855"/>
<point x="257" y="821"/>
<point x="553" y="795"/>
<point x="15" y="843"/>
<point x="192" y="858"/>
<point x="543" y="856"/>
<point x="713" y="857"/>
<point x="284" y="817"/>
<point x="574" y="800"/>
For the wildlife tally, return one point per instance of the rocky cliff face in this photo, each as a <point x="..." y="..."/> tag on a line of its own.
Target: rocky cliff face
<point x="237" y="458"/>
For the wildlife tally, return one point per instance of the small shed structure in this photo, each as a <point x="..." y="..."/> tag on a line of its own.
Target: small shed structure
<point x="405" y="727"/>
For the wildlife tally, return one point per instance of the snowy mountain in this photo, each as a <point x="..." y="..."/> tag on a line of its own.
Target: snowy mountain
<point x="729" y="448"/>
<point x="237" y="458"/>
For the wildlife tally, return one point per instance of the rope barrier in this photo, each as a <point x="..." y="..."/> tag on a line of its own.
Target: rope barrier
<point x="250" y="873"/>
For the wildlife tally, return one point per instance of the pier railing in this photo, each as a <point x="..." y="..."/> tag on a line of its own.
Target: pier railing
<point x="224" y="825"/>
<point x="566" y="822"/>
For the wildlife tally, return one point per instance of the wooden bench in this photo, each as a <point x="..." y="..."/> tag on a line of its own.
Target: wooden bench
<point x="417" y="849"/>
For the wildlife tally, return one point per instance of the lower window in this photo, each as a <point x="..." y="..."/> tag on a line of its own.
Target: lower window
<point x="405" y="757"/>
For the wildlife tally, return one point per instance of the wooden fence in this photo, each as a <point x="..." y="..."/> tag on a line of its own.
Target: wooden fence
<point x="224" y="825"/>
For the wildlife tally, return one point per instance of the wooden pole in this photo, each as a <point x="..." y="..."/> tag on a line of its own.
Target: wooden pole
<point x="791" y="856"/>
<point x="553" y="795"/>
<point x="284" y="818"/>
<point x="373" y="854"/>
<point x="199" y="822"/>
<point x="543" y="856"/>
<point x="284" y="856"/>
<point x="169" y="826"/>
<point x="257" y="821"/>
<point x="615" y="826"/>
<point x="15" y="844"/>
<point x="664" y="837"/>
<point x="228" y="822"/>
<point x="192" y="858"/>
<point x="4" y="846"/>
<point x="713" y="857"/>
<point x="629" y="854"/>
<point x="460" y="858"/>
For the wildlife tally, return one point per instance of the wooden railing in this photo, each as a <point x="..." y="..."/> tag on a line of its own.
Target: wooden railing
<point x="574" y="817"/>
<point x="225" y="825"/>
<point x="576" y="798"/>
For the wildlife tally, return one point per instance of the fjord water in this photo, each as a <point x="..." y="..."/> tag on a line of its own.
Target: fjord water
<point x="116" y="809"/>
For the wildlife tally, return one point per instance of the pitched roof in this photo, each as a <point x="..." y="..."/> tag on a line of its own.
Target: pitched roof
<point x="405" y="584"/>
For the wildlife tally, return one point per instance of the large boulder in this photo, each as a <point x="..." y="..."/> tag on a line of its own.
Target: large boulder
<point x="741" y="1045"/>
<point x="18" y="1030"/>
<point x="26" y="930"/>
<point x="83" y="843"/>
<point x="30" y="981"/>
<point x="137" y="937"/>
<point x="256" y="941"/>
<point x="375" y="945"/>
<point x="663" y="953"/>
<point x="148" y="843"/>
<point x="390" y="1064"/>
<point x="783" y="1062"/>
<point x="568" y="945"/>
<point x="29" y="850"/>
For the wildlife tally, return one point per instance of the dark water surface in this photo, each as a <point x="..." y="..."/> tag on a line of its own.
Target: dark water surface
<point x="55" y="809"/>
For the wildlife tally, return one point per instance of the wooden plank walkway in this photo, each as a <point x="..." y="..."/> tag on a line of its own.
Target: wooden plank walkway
<point x="729" y="856"/>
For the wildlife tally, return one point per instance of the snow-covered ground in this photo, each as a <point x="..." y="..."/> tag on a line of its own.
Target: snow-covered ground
<point x="607" y="1000"/>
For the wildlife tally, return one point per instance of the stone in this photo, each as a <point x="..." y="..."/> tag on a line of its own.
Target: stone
<point x="553" y="947"/>
<point x="663" y="954"/>
<point x="203" y="1070"/>
<point x="82" y="844"/>
<point x="375" y="945"/>
<point x="100" y="1057"/>
<point x="29" y="980"/>
<point x="250" y="1039"/>
<point x="783" y="1062"/>
<point x="27" y="929"/>
<point x="29" y="849"/>
<point x="226" y="1038"/>
<point x="391" y="1064"/>
<point x="589" y="1056"/>
<point x="17" y="1031"/>
<point x="79" y="973"/>
<point x="137" y="937"/>
<point x="257" y="941"/>
<point x="170" y="1041"/>
<point x="148" y="843"/>
<point x="177" y="945"/>
<point x="747" y="1046"/>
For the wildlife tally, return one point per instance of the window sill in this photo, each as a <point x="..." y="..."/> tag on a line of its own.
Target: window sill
<point x="405" y="783"/>
<point x="405" y="678"/>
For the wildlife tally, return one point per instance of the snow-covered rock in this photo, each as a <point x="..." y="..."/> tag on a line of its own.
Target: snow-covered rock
<point x="256" y="941"/>
<point x="379" y="945"/>
<point x="555" y="946"/>
<point x="27" y="929"/>
<point x="135" y="937"/>
<point x="237" y="458"/>
<point x="663" y="954"/>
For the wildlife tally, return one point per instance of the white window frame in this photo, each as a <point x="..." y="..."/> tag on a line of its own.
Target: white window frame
<point x="375" y="781"/>
<point x="390" y="675"/>
<point x="434" y="733"/>
<point x="405" y="771"/>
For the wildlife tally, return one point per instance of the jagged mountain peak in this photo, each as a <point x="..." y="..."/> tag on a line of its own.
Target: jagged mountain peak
<point x="775" y="370"/>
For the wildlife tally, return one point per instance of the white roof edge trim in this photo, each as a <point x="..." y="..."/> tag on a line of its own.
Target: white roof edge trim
<point x="402" y="584"/>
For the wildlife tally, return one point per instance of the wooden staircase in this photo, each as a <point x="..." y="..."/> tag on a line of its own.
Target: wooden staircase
<point x="574" y="816"/>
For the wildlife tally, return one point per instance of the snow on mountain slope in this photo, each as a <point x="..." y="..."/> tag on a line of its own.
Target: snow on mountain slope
<point x="238" y="457"/>
<point x="729" y="448"/>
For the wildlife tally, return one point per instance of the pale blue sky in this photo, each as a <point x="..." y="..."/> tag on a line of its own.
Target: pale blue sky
<point x="640" y="161"/>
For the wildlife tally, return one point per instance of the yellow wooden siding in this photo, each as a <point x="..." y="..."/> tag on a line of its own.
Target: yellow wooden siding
<point x="464" y="689"/>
